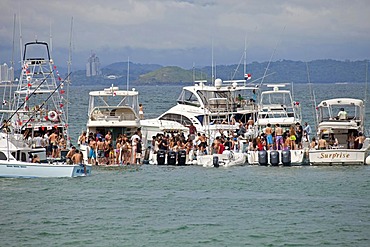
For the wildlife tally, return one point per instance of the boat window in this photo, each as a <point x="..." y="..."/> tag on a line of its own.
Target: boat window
<point x="278" y="98"/>
<point x="188" y="98"/>
<point x="2" y="156"/>
<point x="177" y="118"/>
<point x="200" y="118"/>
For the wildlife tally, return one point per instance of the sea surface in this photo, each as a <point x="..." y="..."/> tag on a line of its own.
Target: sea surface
<point x="191" y="206"/>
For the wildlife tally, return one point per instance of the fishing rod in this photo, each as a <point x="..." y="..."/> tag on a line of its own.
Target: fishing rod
<point x="43" y="103"/>
<point x="33" y="92"/>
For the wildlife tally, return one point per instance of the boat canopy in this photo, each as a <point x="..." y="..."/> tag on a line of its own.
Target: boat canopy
<point x="328" y="110"/>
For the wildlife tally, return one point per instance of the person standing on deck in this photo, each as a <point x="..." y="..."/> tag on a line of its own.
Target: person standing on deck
<point x="279" y="137"/>
<point x="141" y="111"/>
<point x="92" y="153"/>
<point x="192" y="131"/>
<point x="299" y="135"/>
<point x="307" y="131"/>
<point x="269" y="139"/>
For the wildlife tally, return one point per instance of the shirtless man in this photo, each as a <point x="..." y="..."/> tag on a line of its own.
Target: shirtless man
<point x="77" y="159"/>
<point x="100" y="147"/>
<point x="360" y="139"/>
<point x="279" y="137"/>
<point x="92" y="153"/>
<point x="322" y="144"/>
<point x="268" y="132"/>
<point x="53" y="140"/>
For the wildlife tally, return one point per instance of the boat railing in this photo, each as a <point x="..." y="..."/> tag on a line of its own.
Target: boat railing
<point x="18" y="141"/>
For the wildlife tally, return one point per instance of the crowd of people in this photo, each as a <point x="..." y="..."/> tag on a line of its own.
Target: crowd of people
<point x="52" y="140"/>
<point x="102" y="149"/>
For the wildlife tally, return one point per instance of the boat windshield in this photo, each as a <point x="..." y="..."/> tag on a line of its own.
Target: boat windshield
<point x="188" y="98"/>
<point x="276" y="98"/>
<point x="177" y="118"/>
<point x="113" y="101"/>
<point x="333" y="112"/>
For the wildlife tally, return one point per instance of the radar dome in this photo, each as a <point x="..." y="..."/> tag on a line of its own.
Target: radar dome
<point x="218" y="83"/>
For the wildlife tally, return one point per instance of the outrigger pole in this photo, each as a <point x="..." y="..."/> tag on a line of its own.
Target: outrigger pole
<point x="33" y="92"/>
<point x="43" y="103"/>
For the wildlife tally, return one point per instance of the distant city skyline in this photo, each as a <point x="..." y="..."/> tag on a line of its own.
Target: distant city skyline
<point x="187" y="32"/>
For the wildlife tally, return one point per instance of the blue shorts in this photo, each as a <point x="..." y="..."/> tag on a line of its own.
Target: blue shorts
<point x="92" y="153"/>
<point x="269" y="139"/>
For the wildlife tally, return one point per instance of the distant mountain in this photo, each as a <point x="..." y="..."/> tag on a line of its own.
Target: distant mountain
<point x="166" y="75"/>
<point x="326" y="71"/>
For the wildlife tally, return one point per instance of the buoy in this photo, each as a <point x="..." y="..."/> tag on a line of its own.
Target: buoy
<point x="52" y="116"/>
<point x="367" y="160"/>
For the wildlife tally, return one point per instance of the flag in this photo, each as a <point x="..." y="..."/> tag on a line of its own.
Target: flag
<point x="247" y="77"/>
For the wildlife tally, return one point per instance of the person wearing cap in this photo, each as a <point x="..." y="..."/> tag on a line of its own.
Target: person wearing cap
<point x="342" y="114"/>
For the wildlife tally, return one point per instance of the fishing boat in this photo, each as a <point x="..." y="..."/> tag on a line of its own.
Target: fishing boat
<point x="276" y="106"/>
<point x="212" y="110"/>
<point x="15" y="162"/>
<point x="341" y="125"/>
<point x="35" y="108"/>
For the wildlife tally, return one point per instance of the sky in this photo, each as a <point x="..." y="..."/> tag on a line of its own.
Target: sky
<point x="188" y="33"/>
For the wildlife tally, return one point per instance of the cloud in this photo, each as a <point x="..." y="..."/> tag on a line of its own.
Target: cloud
<point x="180" y="32"/>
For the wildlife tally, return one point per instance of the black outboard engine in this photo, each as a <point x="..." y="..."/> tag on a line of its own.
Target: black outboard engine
<point x="262" y="158"/>
<point x="286" y="158"/>
<point x="171" y="158"/>
<point x="181" y="158"/>
<point x="215" y="161"/>
<point x="274" y="158"/>
<point x="161" y="157"/>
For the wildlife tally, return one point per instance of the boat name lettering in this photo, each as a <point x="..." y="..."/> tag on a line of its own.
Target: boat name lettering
<point x="16" y="166"/>
<point x="334" y="155"/>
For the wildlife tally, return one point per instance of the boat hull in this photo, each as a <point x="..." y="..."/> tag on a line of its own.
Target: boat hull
<point x="297" y="157"/>
<point x="13" y="169"/>
<point x="222" y="160"/>
<point x="337" y="157"/>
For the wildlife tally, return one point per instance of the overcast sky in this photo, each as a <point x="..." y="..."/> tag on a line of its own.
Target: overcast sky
<point x="181" y="32"/>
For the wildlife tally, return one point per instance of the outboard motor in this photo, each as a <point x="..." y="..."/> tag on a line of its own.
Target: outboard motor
<point x="171" y="158"/>
<point x="215" y="161"/>
<point x="286" y="158"/>
<point x="181" y="158"/>
<point x="161" y="156"/>
<point x="274" y="158"/>
<point x="262" y="158"/>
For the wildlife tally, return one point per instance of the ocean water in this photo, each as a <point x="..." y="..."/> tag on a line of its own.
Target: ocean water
<point x="191" y="206"/>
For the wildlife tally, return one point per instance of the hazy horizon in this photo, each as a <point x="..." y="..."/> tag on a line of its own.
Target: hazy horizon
<point x="187" y="32"/>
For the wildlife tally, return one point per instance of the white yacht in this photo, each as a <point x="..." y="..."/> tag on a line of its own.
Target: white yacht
<point x="212" y="109"/>
<point x="340" y="132"/>
<point x="276" y="106"/>
<point x="112" y="110"/>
